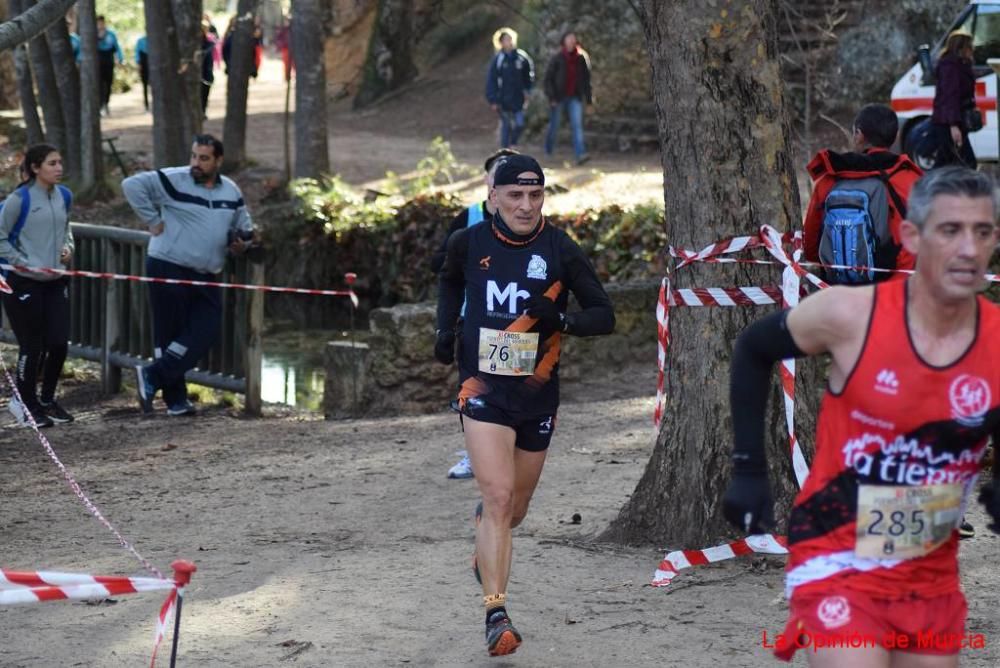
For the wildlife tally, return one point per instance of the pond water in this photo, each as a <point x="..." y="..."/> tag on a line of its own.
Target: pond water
<point x="293" y="370"/>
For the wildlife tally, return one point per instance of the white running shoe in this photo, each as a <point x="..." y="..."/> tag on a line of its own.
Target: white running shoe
<point x="16" y="409"/>
<point x="463" y="469"/>
<point x="24" y="416"/>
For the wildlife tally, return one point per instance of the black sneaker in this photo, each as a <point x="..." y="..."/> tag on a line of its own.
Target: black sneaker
<point x="183" y="408"/>
<point x="24" y="415"/>
<point x="966" y="530"/>
<point x="56" y="412"/>
<point x="501" y="636"/>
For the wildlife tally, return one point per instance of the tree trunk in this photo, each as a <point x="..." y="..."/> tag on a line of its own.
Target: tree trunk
<point x="26" y="24"/>
<point x="312" y="155"/>
<point x="234" y="131"/>
<point x="173" y="65"/>
<point x="726" y="155"/>
<point x="187" y="19"/>
<point x="8" y="74"/>
<point x="68" y="81"/>
<point x="390" y="51"/>
<point x="48" y="90"/>
<point x="26" y="91"/>
<point x="91" y="155"/>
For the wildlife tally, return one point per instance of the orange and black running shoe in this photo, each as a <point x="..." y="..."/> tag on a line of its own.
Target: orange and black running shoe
<point x="501" y="636"/>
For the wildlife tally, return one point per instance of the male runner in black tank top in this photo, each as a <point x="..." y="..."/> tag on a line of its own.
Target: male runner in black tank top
<point x="515" y="274"/>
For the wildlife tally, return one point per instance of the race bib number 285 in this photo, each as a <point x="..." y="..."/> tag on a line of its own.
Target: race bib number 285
<point x="898" y="522"/>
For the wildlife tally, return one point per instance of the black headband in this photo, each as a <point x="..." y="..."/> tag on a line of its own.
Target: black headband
<point x="510" y="168"/>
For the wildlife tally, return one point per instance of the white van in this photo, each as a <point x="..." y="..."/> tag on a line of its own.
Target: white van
<point x="913" y="94"/>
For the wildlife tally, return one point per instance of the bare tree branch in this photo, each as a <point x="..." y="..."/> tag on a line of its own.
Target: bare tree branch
<point x="32" y="23"/>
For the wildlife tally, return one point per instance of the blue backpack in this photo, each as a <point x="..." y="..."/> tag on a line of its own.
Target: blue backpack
<point x="22" y="216"/>
<point x="856" y="232"/>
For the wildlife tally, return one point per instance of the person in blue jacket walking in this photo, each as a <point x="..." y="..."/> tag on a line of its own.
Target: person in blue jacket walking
<point x="108" y="51"/>
<point x="508" y="84"/>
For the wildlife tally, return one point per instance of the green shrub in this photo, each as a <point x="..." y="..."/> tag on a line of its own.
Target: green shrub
<point x="332" y="230"/>
<point x="439" y="167"/>
<point x="623" y="244"/>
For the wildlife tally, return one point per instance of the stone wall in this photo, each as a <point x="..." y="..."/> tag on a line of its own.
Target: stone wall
<point x="391" y="371"/>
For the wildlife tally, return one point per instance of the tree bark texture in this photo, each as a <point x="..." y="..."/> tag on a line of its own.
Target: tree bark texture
<point x="312" y="154"/>
<point x="726" y="155"/>
<point x="91" y="155"/>
<point x="234" y="130"/>
<point x="68" y="81"/>
<point x="8" y="73"/>
<point x="390" y="51"/>
<point x="48" y="90"/>
<point x="26" y="91"/>
<point x="173" y="66"/>
<point x="31" y="22"/>
<point x="187" y="19"/>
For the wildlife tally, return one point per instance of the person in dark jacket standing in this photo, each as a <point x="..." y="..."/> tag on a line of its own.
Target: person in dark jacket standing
<point x="35" y="232"/>
<point x="954" y="95"/>
<point x="508" y="83"/>
<point x="567" y="86"/>
<point x="207" y="64"/>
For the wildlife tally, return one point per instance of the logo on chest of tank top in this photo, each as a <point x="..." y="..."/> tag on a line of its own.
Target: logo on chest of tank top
<point x="886" y="382"/>
<point x="970" y="399"/>
<point x="537" y="268"/>
<point x="510" y="296"/>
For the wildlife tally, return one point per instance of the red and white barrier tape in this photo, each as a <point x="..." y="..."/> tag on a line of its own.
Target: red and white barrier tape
<point x="724" y="247"/>
<point x="792" y="275"/>
<point x="71" y="481"/>
<point x="37" y="586"/>
<point x="46" y="586"/>
<point x="163" y="620"/>
<point x="790" y="284"/>
<point x="19" y="587"/>
<point x="177" y="281"/>
<point x="662" y="345"/>
<point x="678" y="560"/>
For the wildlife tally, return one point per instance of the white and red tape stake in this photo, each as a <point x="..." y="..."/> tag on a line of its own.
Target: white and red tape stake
<point x="38" y="586"/>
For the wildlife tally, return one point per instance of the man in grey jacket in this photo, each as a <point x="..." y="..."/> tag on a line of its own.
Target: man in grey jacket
<point x="195" y="215"/>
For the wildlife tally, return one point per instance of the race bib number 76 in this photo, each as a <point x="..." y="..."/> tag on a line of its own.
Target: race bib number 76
<point x="507" y="353"/>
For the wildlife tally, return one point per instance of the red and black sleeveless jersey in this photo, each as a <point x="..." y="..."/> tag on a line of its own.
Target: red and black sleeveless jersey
<point x="898" y="422"/>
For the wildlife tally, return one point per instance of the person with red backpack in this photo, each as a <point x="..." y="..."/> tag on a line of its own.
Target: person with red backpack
<point x="858" y="202"/>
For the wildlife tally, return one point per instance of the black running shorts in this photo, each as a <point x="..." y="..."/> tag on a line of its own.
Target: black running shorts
<point x="533" y="432"/>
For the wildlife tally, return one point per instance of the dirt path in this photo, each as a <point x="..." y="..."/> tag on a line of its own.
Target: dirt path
<point x="342" y="544"/>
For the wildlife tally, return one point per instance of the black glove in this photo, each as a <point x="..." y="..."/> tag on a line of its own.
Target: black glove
<point x="444" y="347"/>
<point x="747" y="503"/>
<point x="988" y="497"/>
<point x="546" y="312"/>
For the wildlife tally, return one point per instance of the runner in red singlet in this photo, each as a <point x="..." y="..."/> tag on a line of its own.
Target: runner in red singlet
<point x="913" y="395"/>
